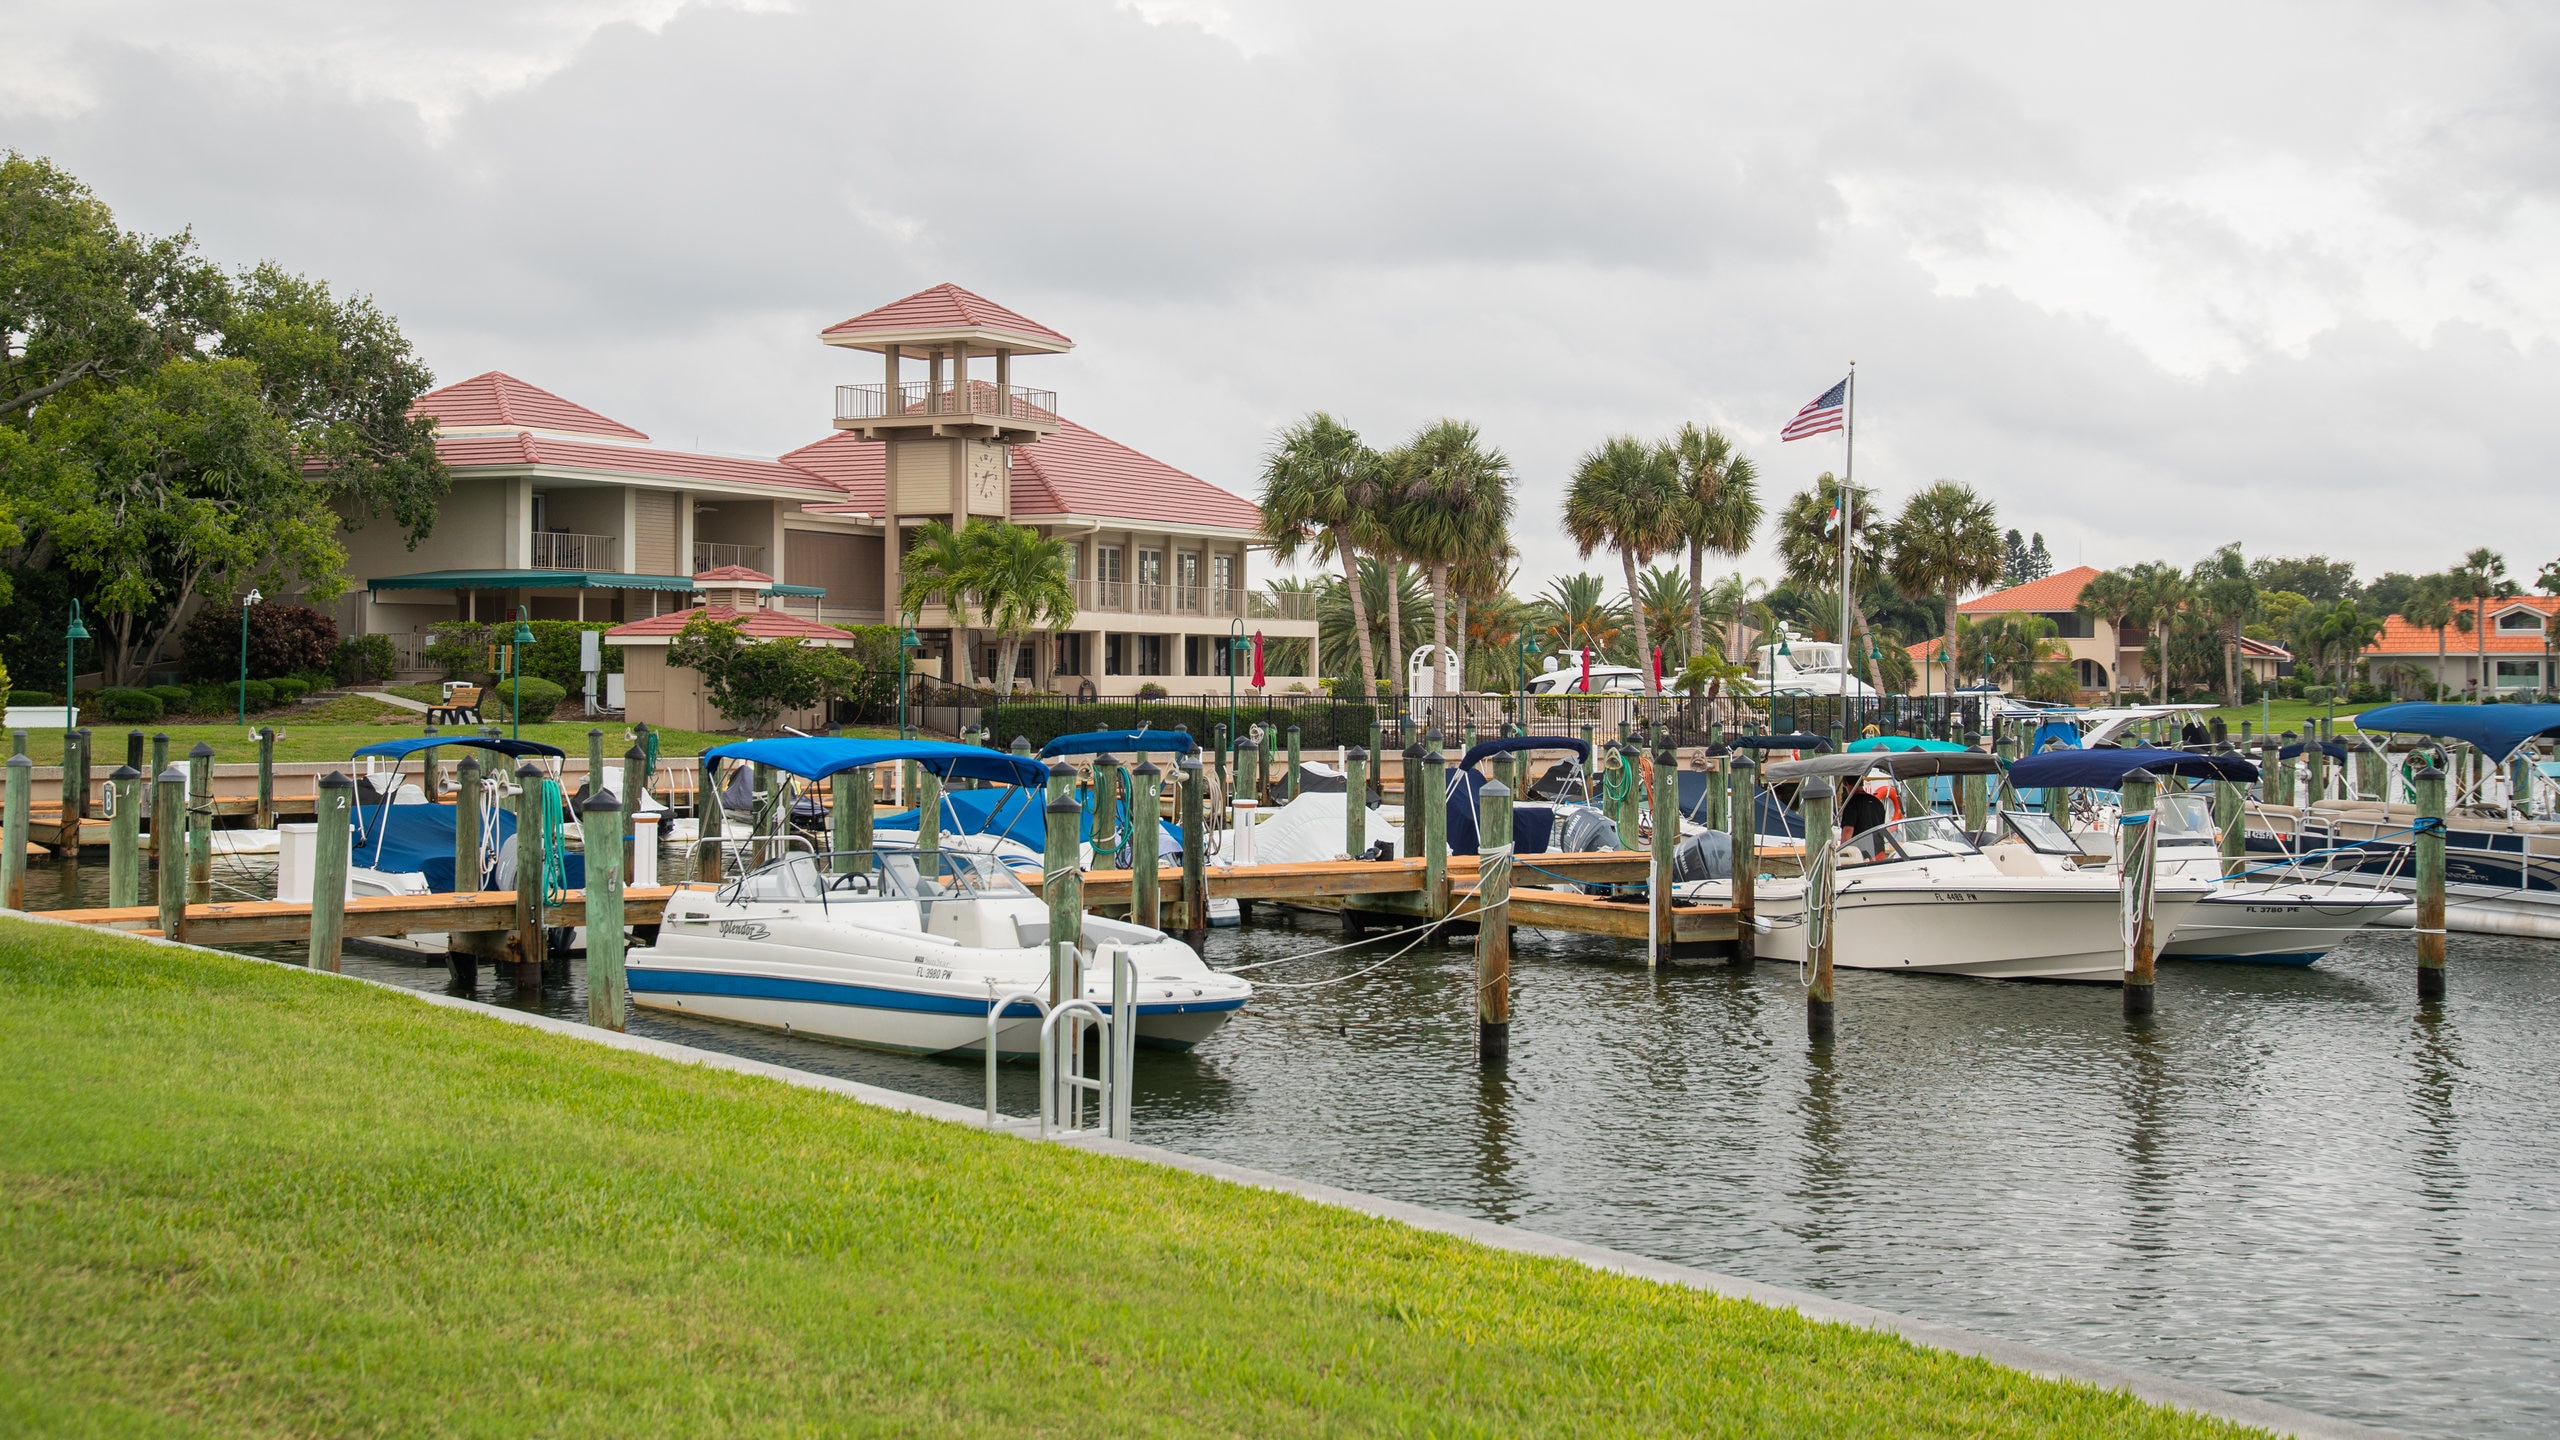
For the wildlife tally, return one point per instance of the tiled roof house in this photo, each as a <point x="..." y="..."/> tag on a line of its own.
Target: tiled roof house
<point x="2097" y="646"/>
<point x="2512" y="652"/>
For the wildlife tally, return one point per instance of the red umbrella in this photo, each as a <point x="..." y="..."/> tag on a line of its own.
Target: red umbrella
<point x="1586" y="669"/>
<point x="1657" y="667"/>
<point x="1257" y="659"/>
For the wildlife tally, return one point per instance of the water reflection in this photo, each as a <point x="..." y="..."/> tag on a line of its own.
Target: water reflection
<point x="2287" y="1183"/>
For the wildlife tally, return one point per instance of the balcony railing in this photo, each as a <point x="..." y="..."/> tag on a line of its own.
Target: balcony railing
<point x="1122" y="597"/>
<point x="974" y="401"/>
<point x="555" y="550"/>
<point x="708" y="555"/>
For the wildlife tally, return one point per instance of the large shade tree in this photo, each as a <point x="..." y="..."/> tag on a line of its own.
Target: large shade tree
<point x="1946" y="541"/>
<point x="1625" y="496"/>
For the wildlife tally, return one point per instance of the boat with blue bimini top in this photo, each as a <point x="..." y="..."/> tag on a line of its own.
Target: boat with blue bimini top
<point x="906" y="949"/>
<point x="2260" y="915"/>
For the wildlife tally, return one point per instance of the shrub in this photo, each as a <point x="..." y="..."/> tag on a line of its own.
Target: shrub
<point x="541" y="697"/>
<point x="462" y="648"/>
<point x="1152" y="691"/>
<point x="753" y="683"/>
<point x="364" y="660"/>
<point x="283" y="640"/>
<point x="171" y="697"/>
<point x="210" y="700"/>
<point x="127" y="707"/>
<point x="289" y="690"/>
<point x="34" y="697"/>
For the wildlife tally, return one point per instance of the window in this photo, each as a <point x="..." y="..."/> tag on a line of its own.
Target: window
<point x="2527" y="620"/>
<point x="1222" y="573"/>
<point x="1150" y="655"/>
<point x="1070" y="653"/>
<point x="1114" y="661"/>
<point x="1186" y="569"/>
<point x="2519" y="674"/>
<point x="1106" y="564"/>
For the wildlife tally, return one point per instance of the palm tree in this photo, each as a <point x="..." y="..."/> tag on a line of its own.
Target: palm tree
<point x="1454" y="504"/>
<point x="1321" y="490"/>
<point x="2161" y="590"/>
<point x="2480" y="575"/>
<point x="1665" y="600"/>
<point x="1720" y="509"/>
<point x="1482" y="587"/>
<point x="2112" y="596"/>
<point x="1946" y="541"/>
<point x="2466" y="621"/>
<point x="1809" y="546"/>
<point x="1724" y="605"/>
<point x="2430" y="607"/>
<point x="1021" y="583"/>
<point x="1625" y="495"/>
<point x="2226" y="593"/>
<point x="1343" y="641"/>
<point x="937" y="569"/>
<point x="1575" y="611"/>
<point x="2008" y="649"/>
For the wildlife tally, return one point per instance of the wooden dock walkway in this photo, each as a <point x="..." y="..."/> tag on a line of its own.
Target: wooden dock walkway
<point x="252" y="922"/>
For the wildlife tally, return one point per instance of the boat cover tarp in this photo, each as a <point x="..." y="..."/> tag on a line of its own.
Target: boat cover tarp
<point x="1770" y="815"/>
<point x="1794" y="740"/>
<point x="395" y="749"/>
<point x="1532" y="826"/>
<point x="1016" y="813"/>
<point x="1900" y="764"/>
<point x="2335" y="750"/>
<point x="1121" y="742"/>
<point x="2495" y="729"/>
<point x="2106" y="769"/>
<point x="1511" y="744"/>
<point x="813" y="757"/>
<point x="418" y="840"/>
<point x="1902" y="742"/>
<point x="2054" y="732"/>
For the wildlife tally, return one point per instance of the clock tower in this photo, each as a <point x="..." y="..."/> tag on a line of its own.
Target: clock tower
<point x="946" y="409"/>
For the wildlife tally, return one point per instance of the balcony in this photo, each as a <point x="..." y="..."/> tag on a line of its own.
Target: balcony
<point x="559" y="550"/>
<point x="709" y="555"/>
<point x="1121" y="597"/>
<point x="978" y="409"/>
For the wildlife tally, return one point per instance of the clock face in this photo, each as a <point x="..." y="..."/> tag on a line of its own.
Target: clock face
<point x="986" y="479"/>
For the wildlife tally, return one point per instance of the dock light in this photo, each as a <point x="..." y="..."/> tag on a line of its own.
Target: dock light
<point x="515" y="670"/>
<point x="252" y="598"/>
<point x="71" y="639"/>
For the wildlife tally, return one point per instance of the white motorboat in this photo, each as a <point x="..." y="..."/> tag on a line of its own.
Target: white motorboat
<point x="2257" y="918"/>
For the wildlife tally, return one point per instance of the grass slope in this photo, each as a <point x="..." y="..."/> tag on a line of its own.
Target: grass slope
<point x="239" y="1199"/>
<point x="333" y="729"/>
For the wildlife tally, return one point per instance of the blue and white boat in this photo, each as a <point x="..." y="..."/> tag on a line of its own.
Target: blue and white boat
<point x="905" y="949"/>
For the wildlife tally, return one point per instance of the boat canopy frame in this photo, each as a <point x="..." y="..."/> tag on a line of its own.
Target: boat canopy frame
<point x="816" y="757"/>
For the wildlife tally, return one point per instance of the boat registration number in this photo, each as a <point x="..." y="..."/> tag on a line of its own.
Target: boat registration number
<point x="932" y="972"/>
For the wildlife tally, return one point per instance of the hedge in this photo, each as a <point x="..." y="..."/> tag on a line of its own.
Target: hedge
<point x="34" y="697"/>
<point x="172" y="697"/>
<point x="365" y="660"/>
<point x="289" y="690"/>
<point x="127" y="707"/>
<point x="541" y="697"/>
<point x="284" y="639"/>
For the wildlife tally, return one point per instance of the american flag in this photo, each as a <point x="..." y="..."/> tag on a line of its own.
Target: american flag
<point x="1819" y="418"/>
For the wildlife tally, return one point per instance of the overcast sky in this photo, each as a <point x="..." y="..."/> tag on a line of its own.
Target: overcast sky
<point x="2153" y="280"/>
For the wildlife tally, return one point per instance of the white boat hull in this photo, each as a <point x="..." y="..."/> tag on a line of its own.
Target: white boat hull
<point x="2279" y="925"/>
<point x="2036" y="929"/>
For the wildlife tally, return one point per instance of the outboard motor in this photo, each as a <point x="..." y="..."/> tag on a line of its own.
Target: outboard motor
<point x="1707" y="855"/>
<point x="1584" y="828"/>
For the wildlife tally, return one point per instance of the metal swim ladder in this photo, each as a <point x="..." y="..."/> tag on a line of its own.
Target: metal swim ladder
<point x="1063" y="1083"/>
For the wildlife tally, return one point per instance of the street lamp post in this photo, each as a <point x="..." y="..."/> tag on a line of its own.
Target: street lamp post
<point x="1527" y="649"/>
<point x="1236" y="647"/>
<point x="907" y="643"/>
<point x="72" y="635"/>
<point x="515" y="673"/>
<point x="252" y="598"/>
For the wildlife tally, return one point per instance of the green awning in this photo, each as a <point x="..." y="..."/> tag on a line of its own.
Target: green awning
<point x="814" y="592"/>
<point x="540" y="580"/>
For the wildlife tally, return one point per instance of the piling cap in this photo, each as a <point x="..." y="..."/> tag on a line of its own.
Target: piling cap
<point x="1190" y="761"/>
<point x="334" y="780"/>
<point x="528" y="771"/>
<point x="1356" y="752"/>
<point x="1063" y="805"/>
<point x="601" y="802"/>
<point x="636" y="752"/>
<point x="123" y="772"/>
<point x="2430" y="773"/>
<point x="174" y="775"/>
<point x="1147" y="768"/>
<point x="1494" y="790"/>
<point x="1817" y="788"/>
<point x="1106" y="761"/>
<point x="2138" y="777"/>
<point x="1413" y="751"/>
<point x="22" y="760"/>
<point x="200" y="751"/>
<point x="1061" y="770"/>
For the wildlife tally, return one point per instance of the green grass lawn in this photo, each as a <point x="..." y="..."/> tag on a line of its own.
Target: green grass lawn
<point x="332" y="729"/>
<point x="246" y="1200"/>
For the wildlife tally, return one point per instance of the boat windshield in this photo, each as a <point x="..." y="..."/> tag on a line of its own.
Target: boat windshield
<point x="2185" y="820"/>
<point x="2040" y="833"/>
<point x="952" y="875"/>
<point x="1921" y="837"/>
<point x="858" y="875"/>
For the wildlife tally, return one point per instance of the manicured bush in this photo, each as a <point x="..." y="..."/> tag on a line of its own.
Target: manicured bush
<point x="210" y="700"/>
<point x="1151" y="691"/>
<point x="171" y="697"/>
<point x="283" y="640"/>
<point x="541" y="697"/>
<point x="261" y="694"/>
<point x="34" y="697"/>
<point x="127" y="707"/>
<point x="365" y="660"/>
<point x="288" y="690"/>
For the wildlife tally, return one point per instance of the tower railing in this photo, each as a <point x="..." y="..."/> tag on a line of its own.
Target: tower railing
<point x="924" y="398"/>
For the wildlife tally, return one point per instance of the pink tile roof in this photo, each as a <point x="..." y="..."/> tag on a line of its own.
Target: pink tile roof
<point x="760" y="625"/>
<point x="731" y="575"/>
<point x="945" y="307"/>
<point x="523" y="448"/>
<point x="1073" y="472"/>
<point x="497" y="398"/>
<point x="2051" y="595"/>
<point x="2399" y="637"/>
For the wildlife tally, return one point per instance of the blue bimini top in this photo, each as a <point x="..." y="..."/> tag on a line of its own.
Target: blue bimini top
<point x="813" y="757"/>
<point x="1114" y="742"/>
<point x="2496" y="729"/>
<point x="2106" y="769"/>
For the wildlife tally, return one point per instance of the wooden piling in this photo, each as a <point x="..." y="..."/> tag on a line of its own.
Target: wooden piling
<point x="1291" y="790"/>
<point x="608" y="990"/>
<point x="1493" y="927"/>
<point x="2286" y="792"/>
<point x="928" y="813"/>
<point x="526" y="946"/>
<point x="200" y="824"/>
<point x="334" y="804"/>
<point x="1742" y="816"/>
<point x="1666" y="838"/>
<point x="2430" y="855"/>
<point x="431" y="776"/>
<point x="13" y="831"/>
<point x="159" y="760"/>
<point x="1434" y="809"/>
<point x="634" y="787"/>
<point x="1062" y="884"/>
<point x="464" y="949"/>
<point x="133" y="743"/>
<point x="1106" y="808"/>
<point x="2136" y="855"/>
<point x="595" y="773"/>
<point x="1821" y="851"/>
<point x="169" y="848"/>
<point x="2231" y="822"/>
<point x="265" y="817"/>
<point x="2315" y="767"/>
<point x="1631" y="798"/>
<point x="75" y="792"/>
<point x="1195" y="867"/>
<point x="124" y="836"/>
<point x="708" y="814"/>
<point x="1262" y="787"/>
<point x="1355" y="803"/>
<point x="1146" y="836"/>
<point x="1219" y="733"/>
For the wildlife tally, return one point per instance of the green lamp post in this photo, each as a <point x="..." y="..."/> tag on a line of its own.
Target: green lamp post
<point x="907" y="645"/>
<point x="1237" y="645"/>
<point x="1527" y="650"/>
<point x="515" y="673"/>
<point x="71" y="638"/>
<point x="252" y="598"/>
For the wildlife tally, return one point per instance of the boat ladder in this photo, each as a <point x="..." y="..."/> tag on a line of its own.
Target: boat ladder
<point x="1064" y="1085"/>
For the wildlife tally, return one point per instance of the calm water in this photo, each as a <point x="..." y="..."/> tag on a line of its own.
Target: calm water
<point x="2290" y="1184"/>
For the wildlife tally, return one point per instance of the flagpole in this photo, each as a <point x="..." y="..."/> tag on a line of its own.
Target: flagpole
<point x="1848" y="524"/>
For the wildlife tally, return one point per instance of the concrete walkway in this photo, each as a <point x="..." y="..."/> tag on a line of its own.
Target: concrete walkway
<point x="387" y="698"/>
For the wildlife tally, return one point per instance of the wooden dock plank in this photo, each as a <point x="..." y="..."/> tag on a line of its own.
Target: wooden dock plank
<point x="247" y="922"/>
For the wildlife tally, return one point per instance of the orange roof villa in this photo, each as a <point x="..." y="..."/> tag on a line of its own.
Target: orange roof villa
<point x="572" y="514"/>
<point x="2513" y="648"/>
<point x="2098" y="647"/>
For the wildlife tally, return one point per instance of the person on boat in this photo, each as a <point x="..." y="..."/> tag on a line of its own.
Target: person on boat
<point x="1860" y="813"/>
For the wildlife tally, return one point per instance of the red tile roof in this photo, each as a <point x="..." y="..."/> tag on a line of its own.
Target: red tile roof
<point x="1073" y="472"/>
<point x="731" y="575"/>
<point x="2051" y="595"/>
<point x="524" y="448"/>
<point x="497" y="398"/>
<point x="760" y="625"/>
<point x="945" y="307"/>
<point x="2399" y="637"/>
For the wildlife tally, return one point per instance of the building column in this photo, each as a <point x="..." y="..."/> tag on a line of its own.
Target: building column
<point x="684" y="532"/>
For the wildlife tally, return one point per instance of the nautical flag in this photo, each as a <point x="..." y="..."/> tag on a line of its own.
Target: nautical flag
<point x="1831" y="521"/>
<point x="1820" y="417"/>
